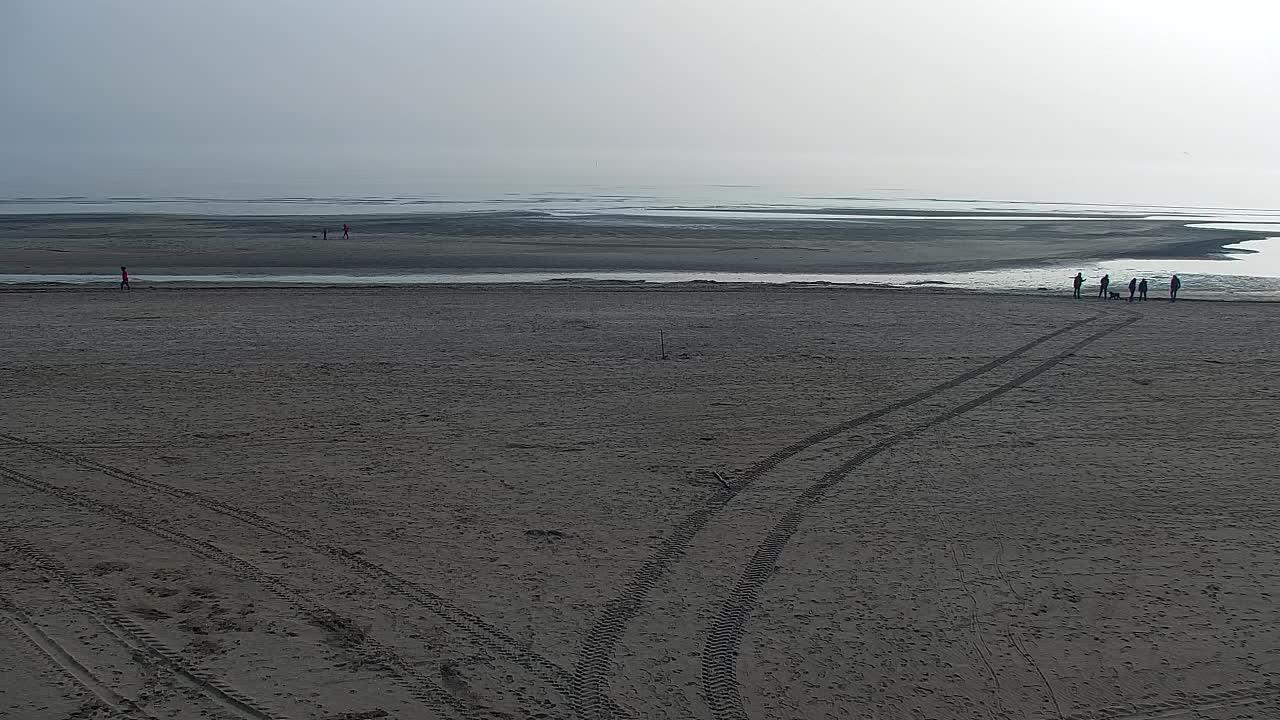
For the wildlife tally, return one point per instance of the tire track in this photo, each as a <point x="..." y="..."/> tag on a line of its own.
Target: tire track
<point x="724" y="637"/>
<point x="472" y="627"/>
<point x="137" y="639"/>
<point x="69" y="665"/>
<point x="595" y="657"/>
<point x="422" y="688"/>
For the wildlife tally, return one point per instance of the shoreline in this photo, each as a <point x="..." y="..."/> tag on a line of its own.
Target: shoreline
<point x="706" y="286"/>
<point x="918" y="242"/>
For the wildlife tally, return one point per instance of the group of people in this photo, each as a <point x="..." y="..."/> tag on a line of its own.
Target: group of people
<point x="1135" y="286"/>
<point x="124" y="272"/>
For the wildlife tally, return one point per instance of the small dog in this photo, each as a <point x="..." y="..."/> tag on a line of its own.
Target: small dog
<point x="1113" y="295"/>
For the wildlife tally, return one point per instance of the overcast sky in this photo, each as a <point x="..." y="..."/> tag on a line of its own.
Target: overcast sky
<point x="1134" y="100"/>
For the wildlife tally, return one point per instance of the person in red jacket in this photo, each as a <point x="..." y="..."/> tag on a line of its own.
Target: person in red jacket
<point x="346" y="231"/>
<point x="124" y="278"/>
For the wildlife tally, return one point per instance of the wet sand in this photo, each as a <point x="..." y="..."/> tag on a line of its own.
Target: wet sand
<point x="530" y="241"/>
<point x="500" y="502"/>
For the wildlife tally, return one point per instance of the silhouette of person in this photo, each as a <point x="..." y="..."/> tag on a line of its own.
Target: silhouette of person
<point x="1133" y="286"/>
<point x="324" y="234"/>
<point x="1102" y="286"/>
<point x="346" y="231"/>
<point x="1174" y="284"/>
<point x="1142" y="289"/>
<point x="124" y="278"/>
<point x="1076" y="282"/>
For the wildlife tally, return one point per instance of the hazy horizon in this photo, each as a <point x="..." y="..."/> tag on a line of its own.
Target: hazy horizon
<point x="1142" y="102"/>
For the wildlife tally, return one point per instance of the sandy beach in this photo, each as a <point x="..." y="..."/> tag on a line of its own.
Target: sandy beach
<point x="502" y="502"/>
<point x="832" y="241"/>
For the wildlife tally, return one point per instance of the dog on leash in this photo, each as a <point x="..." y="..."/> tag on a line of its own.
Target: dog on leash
<point x="1113" y="295"/>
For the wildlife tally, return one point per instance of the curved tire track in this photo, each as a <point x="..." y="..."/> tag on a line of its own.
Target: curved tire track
<point x="137" y="639"/>
<point x="476" y="630"/>
<point x="724" y="637"/>
<point x="595" y="658"/>
<point x="68" y="663"/>
<point x="422" y="688"/>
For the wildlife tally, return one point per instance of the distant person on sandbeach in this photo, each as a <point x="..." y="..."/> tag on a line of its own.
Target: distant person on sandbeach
<point x="324" y="234"/>
<point x="1133" y="287"/>
<point x="1174" y="284"/>
<point x="124" y="278"/>
<point x="1077" y="282"/>
<point x="346" y="231"/>
<point x="1103" y="285"/>
<point x="1142" y="289"/>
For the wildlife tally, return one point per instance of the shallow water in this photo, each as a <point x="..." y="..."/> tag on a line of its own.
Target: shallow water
<point x="1252" y="271"/>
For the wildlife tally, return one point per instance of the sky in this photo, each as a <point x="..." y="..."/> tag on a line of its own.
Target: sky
<point x="1144" y="101"/>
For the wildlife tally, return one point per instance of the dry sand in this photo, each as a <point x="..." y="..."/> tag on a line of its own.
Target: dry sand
<point x="500" y="503"/>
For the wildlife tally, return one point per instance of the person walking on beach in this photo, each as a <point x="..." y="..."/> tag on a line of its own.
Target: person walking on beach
<point x="324" y="234"/>
<point x="1103" y="285"/>
<point x="1133" y="287"/>
<point x="1076" y="282"/>
<point x="1174" y="284"/>
<point x="346" y="231"/>
<point x="124" y="278"/>
<point x="1142" y="289"/>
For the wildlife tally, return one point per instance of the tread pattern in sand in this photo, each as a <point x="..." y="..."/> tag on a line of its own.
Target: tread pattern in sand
<point x="69" y="664"/>
<point x="595" y="663"/>
<point x="131" y="634"/>
<point x="476" y="631"/>
<point x="720" y="655"/>
<point x="421" y="687"/>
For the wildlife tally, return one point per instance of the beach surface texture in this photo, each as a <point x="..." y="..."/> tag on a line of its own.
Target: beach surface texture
<point x="600" y="501"/>
<point x="822" y="240"/>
